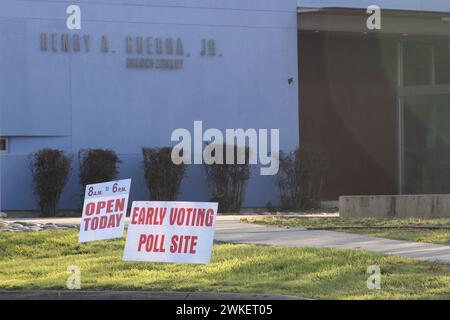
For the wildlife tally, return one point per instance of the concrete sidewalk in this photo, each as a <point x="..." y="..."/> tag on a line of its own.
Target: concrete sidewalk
<point x="135" y="295"/>
<point x="231" y="229"/>
<point x="234" y="231"/>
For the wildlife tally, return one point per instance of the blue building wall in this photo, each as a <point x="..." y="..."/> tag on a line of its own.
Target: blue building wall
<point x="74" y="100"/>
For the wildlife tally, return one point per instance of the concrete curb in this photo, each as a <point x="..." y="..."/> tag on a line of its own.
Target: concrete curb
<point x="136" y="295"/>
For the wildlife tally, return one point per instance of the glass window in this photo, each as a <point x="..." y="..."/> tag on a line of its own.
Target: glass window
<point x="426" y="144"/>
<point x="417" y="64"/>
<point x="442" y="63"/>
<point x="3" y="145"/>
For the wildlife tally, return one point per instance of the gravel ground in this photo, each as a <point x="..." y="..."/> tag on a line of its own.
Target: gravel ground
<point x="15" y="226"/>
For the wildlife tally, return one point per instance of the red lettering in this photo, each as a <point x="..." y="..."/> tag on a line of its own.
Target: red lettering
<point x="200" y="217"/>
<point x="173" y="247"/>
<point x="135" y="213"/>
<point x="142" y="240"/>
<point x="161" y="244"/>
<point x="153" y="243"/>
<point x="120" y="205"/>
<point x="94" y="223"/>
<point x="90" y="207"/>
<point x="192" y="217"/>
<point x="103" y="222"/>
<point x="109" y="206"/>
<point x="149" y="218"/>
<point x="118" y="219"/>
<point x="141" y="216"/>
<point x="114" y="220"/>
<point x="180" y="218"/>
<point x="188" y="215"/>
<point x="183" y="244"/>
<point x="209" y="218"/>
<point x="192" y="249"/>
<point x="173" y="216"/>
<point x="100" y="205"/>
<point x="149" y="244"/>
<point x="86" y="223"/>
<point x="162" y="215"/>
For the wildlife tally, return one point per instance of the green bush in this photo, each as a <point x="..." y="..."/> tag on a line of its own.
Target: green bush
<point x="300" y="179"/>
<point x="162" y="176"/>
<point x="228" y="182"/>
<point x="96" y="166"/>
<point x="50" y="170"/>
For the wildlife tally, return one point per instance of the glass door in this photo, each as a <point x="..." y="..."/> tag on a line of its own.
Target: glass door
<point x="426" y="144"/>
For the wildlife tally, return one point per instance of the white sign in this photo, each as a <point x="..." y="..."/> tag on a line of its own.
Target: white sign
<point x="171" y="232"/>
<point x="104" y="210"/>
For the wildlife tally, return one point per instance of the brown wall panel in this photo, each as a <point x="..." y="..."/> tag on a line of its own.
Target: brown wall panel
<point x="348" y="110"/>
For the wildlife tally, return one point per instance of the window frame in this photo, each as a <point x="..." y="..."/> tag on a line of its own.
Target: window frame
<point x="407" y="91"/>
<point x="6" y="150"/>
<point x="411" y="89"/>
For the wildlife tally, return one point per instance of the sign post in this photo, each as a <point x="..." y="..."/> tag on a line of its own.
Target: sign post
<point x="171" y="232"/>
<point x="104" y="210"/>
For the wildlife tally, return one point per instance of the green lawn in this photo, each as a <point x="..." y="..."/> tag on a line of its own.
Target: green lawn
<point x="40" y="260"/>
<point x="410" y="229"/>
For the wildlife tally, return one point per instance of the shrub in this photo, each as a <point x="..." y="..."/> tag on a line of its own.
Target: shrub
<point x="162" y="176"/>
<point x="96" y="166"/>
<point x="270" y="208"/>
<point x="300" y="179"/>
<point x="50" y="170"/>
<point x="228" y="182"/>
